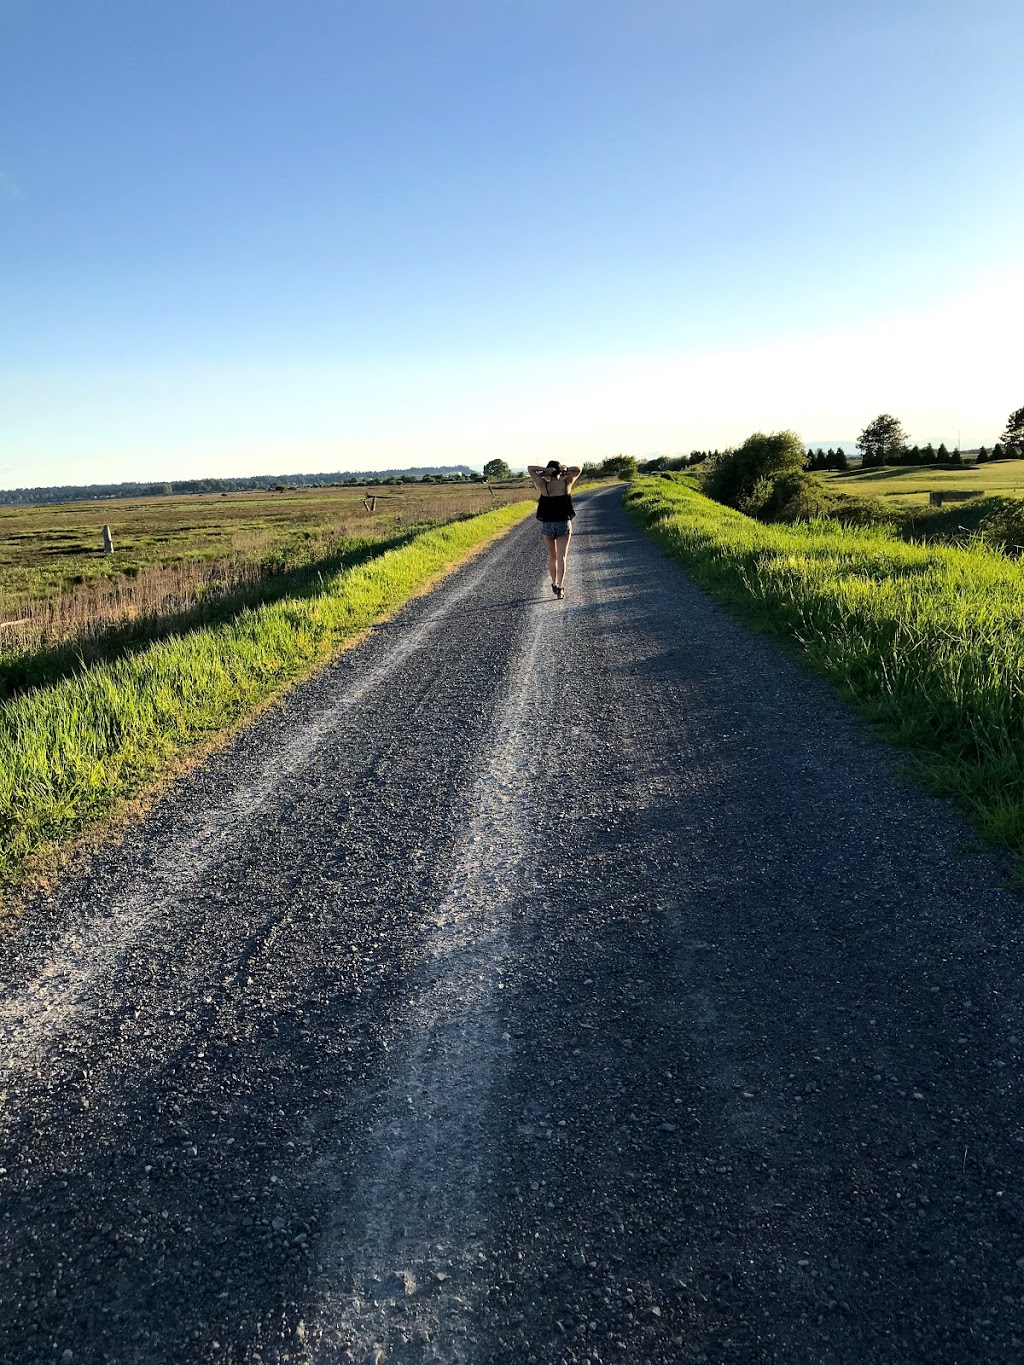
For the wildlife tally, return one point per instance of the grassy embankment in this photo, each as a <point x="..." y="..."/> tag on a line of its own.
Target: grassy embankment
<point x="75" y="751"/>
<point x="926" y="638"/>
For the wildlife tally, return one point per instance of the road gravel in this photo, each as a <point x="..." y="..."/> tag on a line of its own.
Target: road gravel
<point x="542" y="981"/>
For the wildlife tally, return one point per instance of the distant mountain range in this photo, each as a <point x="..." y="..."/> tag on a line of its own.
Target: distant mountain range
<point x="164" y="488"/>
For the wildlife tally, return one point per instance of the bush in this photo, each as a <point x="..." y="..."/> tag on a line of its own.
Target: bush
<point x="745" y="478"/>
<point x="797" y="497"/>
<point x="851" y="510"/>
<point x="1003" y="524"/>
<point x="620" y="466"/>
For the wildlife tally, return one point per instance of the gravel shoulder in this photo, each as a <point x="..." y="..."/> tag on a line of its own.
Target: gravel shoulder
<point x="543" y="980"/>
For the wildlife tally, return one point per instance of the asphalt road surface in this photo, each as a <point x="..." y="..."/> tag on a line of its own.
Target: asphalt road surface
<point x="543" y="981"/>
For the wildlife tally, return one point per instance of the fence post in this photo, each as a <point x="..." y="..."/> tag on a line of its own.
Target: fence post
<point x="108" y="541"/>
<point x="935" y="499"/>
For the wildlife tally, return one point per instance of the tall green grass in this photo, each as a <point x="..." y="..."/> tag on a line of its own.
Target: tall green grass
<point x="929" y="640"/>
<point x="71" y="752"/>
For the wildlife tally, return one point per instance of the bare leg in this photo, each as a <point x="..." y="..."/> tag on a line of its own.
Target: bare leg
<point x="562" y="553"/>
<point x="549" y="541"/>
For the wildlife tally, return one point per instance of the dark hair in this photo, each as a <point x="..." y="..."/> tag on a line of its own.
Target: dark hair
<point x="558" y="471"/>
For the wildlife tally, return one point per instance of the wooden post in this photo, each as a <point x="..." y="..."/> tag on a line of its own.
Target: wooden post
<point x="935" y="499"/>
<point x="108" y="541"/>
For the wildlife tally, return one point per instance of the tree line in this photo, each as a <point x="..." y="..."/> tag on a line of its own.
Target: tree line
<point x="884" y="442"/>
<point x="258" y="482"/>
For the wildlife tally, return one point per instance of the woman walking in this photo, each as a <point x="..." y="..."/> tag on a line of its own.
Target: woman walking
<point x="555" y="513"/>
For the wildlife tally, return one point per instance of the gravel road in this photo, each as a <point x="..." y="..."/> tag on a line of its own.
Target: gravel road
<point x="543" y="981"/>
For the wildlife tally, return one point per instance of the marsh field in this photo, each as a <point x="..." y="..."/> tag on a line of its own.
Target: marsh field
<point x="189" y="559"/>
<point x="52" y="549"/>
<point x="114" y="667"/>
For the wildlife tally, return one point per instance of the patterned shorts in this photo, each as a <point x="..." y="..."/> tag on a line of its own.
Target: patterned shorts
<point x="551" y="530"/>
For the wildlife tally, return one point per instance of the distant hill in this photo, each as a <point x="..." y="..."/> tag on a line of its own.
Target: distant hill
<point x="100" y="491"/>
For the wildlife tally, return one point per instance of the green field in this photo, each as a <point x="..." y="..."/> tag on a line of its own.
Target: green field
<point x="925" y="638"/>
<point x="913" y="485"/>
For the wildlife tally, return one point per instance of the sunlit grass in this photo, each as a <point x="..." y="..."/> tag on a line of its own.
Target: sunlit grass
<point x="929" y="640"/>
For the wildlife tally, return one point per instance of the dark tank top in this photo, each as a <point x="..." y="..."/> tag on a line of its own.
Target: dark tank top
<point x="555" y="507"/>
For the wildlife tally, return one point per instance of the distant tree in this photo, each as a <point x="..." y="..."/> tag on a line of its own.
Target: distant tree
<point x="839" y="460"/>
<point x="942" y="454"/>
<point x="998" y="453"/>
<point x="746" y="477"/>
<point x="620" y="466"/>
<point x="928" y="453"/>
<point x="497" y="469"/>
<point x="982" y="455"/>
<point x="1014" y="433"/>
<point x="881" y="441"/>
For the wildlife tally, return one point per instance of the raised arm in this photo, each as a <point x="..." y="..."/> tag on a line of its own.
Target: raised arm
<point x="536" y="472"/>
<point x="575" y="471"/>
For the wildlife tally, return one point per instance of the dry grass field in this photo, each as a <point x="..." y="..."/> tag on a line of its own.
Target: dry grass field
<point x="47" y="550"/>
<point x="181" y="562"/>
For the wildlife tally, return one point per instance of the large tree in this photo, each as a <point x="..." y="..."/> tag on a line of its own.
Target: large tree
<point x="497" y="469"/>
<point x="882" y="440"/>
<point x="745" y="477"/>
<point x="1014" y="433"/>
<point x="621" y="466"/>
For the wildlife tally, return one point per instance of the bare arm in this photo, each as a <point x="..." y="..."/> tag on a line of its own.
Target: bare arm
<point x="535" y="471"/>
<point x="574" y="472"/>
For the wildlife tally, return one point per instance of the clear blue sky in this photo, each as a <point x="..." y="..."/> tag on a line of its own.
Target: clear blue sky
<point x="240" y="236"/>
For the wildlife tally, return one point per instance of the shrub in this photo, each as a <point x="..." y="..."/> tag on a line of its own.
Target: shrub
<point x="745" y="477"/>
<point x="1003" y="524"/>
<point x="620" y="466"/>
<point x="797" y="497"/>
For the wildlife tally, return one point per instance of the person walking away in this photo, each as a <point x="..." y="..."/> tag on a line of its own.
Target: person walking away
<point x="555" y="512"/>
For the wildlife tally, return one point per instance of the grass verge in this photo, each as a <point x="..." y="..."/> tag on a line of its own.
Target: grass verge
<point x="926" y="639"/>
<point x="75" y="752"/>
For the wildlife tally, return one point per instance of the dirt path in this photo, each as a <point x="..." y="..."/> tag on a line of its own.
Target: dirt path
<point x="544" y="981"/>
